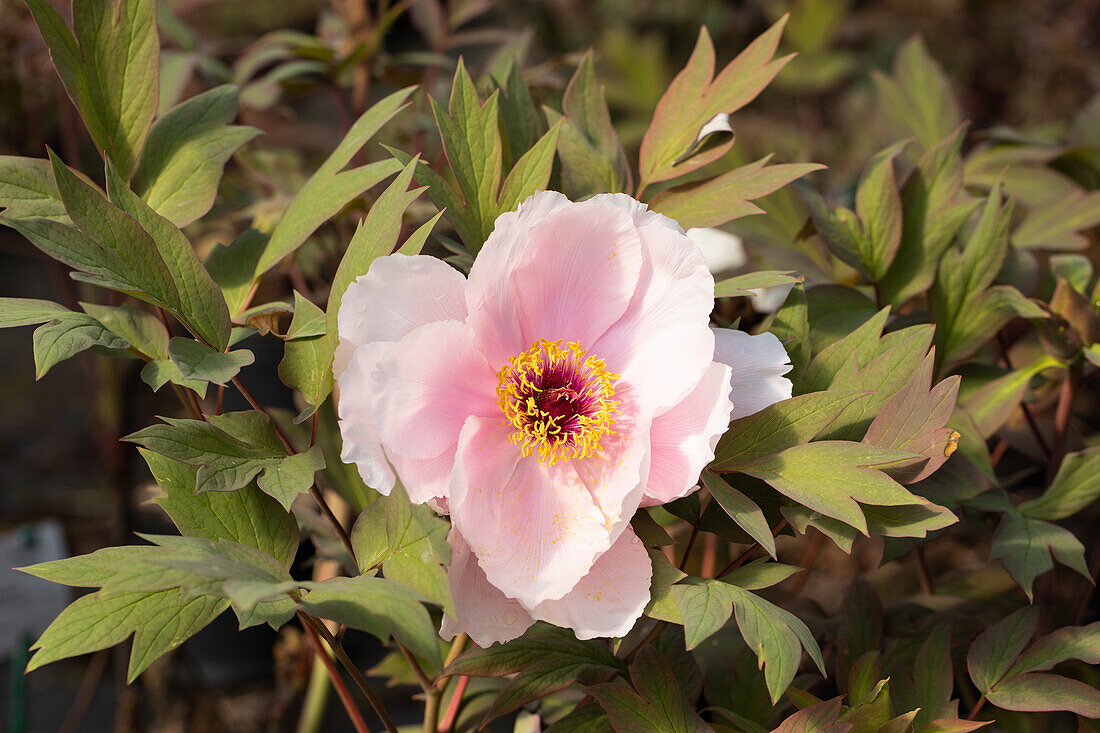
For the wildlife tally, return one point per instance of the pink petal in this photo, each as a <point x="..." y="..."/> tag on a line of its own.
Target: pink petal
<point x="758" y="364"/>
<point x="425" y="479"/>
<point x="398" y="294"/>
<point x="358" y="431"/>
<point x="682" y="439"/>
<point x="662" y="344"/>
<point x="577" y="274"/>
<point x="490" y="294"/>
<point x="427" y="385"/>
<point x="610" y="598"/>
<point x="616" y="478"/>
<point x="638" y="211"/>
<point x="535" y="529"/>
<point x="481" y="610"/>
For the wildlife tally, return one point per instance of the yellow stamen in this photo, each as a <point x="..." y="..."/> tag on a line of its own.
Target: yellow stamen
<point x="552" y="372"/>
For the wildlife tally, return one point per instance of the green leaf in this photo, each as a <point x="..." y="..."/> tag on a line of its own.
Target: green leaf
<point x="791" y="326"/>
<point x="760" y="574"/>
<point x="200" y="302"/>
<point x="307" y="356"/>
<point x="292" y="476"/>
<point x="228" y="451"/>
<point x="1056" y="224"/>
<point x="544" y="660"/>
<point x="704" y="607"/>
<point x="28" y="311"/>
<point x="727" y="197"/>
<point x="743" y="285"/>
<point x="588" y="718"/>
<point x="992" y="404"/>
<point x="378" y="606"/>
<point x="932" y="215"/>
<point x="777" y="637"/>
<point x="1027" y="545"/>
<point x="107" y="243"/>
<point x="783" y="425"/>
<point x="993" y="652"/>
<point x="330" y="188"/>
<point x="917" y="99"/>
<point x="160" y="622"/>
<point x="531" y="173"/>
<point x="159" y="372"/>
<point x="742" y="510"/>
<point x="180" y="168"/>
<point x="409" y="542"/>
<point x="1037" y="692"/>
<point x="233" y="265"/>
<point x="822" y="717"/>
<point x="662" y="603"/>
<point x="1075" y="486"/>
<point x="110" y="69"/>
<point x="878" y="206"/>
<point x="198" y="361"/>
<point x="656" y="704"/>
<point x="247" y="516"/>
<point x="695" y="97"/>
<point x="66" y="336"/>
<point x="831" y="476"/>
<point x="28" y="191"/>
<point x="140" y="328"/>
<point x="519" y="117"/>
<point x="592" y="157"/>
<point x="1071" y="642"/>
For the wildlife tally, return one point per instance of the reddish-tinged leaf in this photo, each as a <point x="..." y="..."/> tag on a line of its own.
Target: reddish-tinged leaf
<point x="953" y="725"/>
<point x="728" y="196"/>
<point x="655" y="705"/>
<point x="695" y="97"/>
<point x="1037" y="692"/>
<point x="913" y="420"/>
<point x="819" y="718"/>
<point x="1073" y="642"/>
<point x="993" y="652"/>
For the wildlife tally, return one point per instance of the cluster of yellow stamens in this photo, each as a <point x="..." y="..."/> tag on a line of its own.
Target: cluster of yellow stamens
<point x="558" y="399"/>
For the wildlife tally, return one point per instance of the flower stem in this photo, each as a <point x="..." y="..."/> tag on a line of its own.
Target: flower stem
<point x="349" y="665"/>
<point x="313" y="710"/>
<point x="977" y="706"/>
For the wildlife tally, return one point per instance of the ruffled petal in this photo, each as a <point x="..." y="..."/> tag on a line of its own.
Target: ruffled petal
<point x="481" y="610"/>
<point x="662" y="344"/>
<point x="682" y="439"/>
<point x="425" y="479"/>
<point x="361" y="444"/>
<point x="535" y="529"/>
<point x="490" y="293"/>
<point x="610" y="598"/>
<point x="397" y="294"/>
<point x="427" y="385"/>
<point x="758" y="364"/>
<point x="577" y="274"/>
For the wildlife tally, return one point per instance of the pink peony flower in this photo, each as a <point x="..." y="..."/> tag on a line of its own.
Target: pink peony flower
<point x="571" y="379"/>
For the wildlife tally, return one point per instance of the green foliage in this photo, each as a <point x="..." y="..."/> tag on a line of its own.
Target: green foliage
<point x="108" y="63"/>
<point x="188" y="146"/>
<point x="656" y="704"/>
<point x="230" y="450"/>
<point x="1012" y="676"/>
<point x="408" y="542"/>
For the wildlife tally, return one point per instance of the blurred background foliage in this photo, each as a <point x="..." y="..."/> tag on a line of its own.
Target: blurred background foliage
<point x="1025" y="73"/>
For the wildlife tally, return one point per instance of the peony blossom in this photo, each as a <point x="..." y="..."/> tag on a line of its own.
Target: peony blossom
<point x="572" y="378"/>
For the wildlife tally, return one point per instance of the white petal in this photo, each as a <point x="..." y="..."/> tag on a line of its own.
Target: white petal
<point x="721" y="250"/>
<point x="397" y="294"/>
<point x="358" y="431"/>
<point x="758" y="364"/>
